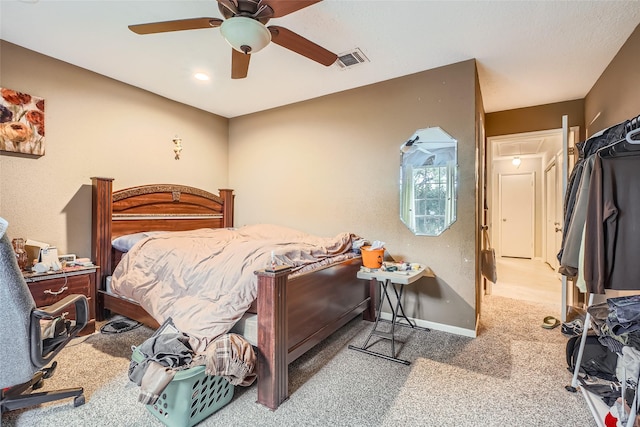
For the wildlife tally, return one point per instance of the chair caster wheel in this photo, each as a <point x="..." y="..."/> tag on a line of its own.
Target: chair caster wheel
<point x="570" y="388"/>
<point x="78" y="401"/>
<point x="48" y="372"/>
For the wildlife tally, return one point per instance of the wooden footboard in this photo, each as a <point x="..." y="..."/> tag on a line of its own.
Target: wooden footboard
<point x="296" y="314"/>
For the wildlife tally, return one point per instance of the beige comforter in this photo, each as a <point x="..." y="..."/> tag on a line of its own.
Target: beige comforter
<point x="204" y="279"/>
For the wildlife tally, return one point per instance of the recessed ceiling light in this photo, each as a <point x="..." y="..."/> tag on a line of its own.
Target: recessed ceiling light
<point x="201" y="76"/>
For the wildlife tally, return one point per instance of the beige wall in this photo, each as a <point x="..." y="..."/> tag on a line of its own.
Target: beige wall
<point x="345" y="151"/>
<point x="324" y="166"/>
<point x="539" y="117"/>
<point x="332" y="164"/>
<point x="347" y="142"/>
<point x="97" y="126"/>
<point x="616" y="95"/>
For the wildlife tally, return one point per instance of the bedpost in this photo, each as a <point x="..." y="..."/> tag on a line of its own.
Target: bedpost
<point x="273" y="367"/>
<point x="101" y="233"/>
<point x="227" y="197"/>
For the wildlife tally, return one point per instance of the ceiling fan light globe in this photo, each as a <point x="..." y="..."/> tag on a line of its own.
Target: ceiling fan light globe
<point x="244" y="34"/>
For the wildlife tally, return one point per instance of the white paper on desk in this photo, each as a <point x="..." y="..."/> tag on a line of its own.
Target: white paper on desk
<point x="49" y="256"/>
<point x="41" y="252"/>
<point x="42" y="245"/>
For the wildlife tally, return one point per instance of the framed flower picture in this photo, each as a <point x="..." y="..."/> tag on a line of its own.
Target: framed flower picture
<point x="21" y="122"/>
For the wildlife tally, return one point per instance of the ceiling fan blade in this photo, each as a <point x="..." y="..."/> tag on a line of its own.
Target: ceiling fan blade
<point x="239" y="64"/>
<point x="285" y="7"/>
<point x="178" y="25"/>
<point x="295" y="42"/>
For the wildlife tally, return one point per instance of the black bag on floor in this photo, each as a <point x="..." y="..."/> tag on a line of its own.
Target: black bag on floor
<point x="597" y="359"/>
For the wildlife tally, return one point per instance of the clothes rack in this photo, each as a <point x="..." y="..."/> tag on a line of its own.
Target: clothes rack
<point x="620" y="147"/>
<point x="598" y="411"/>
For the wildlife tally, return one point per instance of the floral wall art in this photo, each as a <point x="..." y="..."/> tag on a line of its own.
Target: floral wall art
<point x="21" y="122"/>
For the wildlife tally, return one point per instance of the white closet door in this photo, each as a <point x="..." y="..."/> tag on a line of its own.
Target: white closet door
<point x="516" y="215"/>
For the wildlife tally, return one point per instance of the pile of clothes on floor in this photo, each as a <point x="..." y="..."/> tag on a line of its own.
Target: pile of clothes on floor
<point x="168" y="351"/>
<point x="616" y="324"/>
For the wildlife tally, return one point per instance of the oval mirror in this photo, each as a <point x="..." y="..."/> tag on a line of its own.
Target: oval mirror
<point x="428" y="166"/>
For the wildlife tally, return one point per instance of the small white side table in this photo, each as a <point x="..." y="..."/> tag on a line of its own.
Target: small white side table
<point x="397" y="280"/>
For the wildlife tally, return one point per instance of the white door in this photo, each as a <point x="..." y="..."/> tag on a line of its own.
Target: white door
<point x="516" y="215"/>
<point x="551" y="217"/>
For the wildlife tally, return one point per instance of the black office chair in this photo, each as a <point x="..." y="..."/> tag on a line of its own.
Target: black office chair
<point x="23" y="352"/>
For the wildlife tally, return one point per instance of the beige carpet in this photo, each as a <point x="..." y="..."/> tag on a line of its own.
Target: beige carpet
<point x="513" y="374"/>
<point x="438" y="394"/>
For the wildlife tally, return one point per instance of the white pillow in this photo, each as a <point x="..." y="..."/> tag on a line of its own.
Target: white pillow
<point x="126" y="242"/>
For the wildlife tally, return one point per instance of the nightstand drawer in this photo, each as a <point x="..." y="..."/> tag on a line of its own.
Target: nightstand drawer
<point x="47" y="292"/>
<point x="49" y="288"/>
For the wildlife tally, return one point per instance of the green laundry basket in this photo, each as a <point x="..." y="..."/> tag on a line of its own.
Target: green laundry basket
<point x="190" y="397"/>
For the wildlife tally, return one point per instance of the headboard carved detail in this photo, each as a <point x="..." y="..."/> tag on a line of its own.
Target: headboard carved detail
<point x="164" y="188"/>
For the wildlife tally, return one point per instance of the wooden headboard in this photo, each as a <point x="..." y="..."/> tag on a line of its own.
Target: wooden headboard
<point x="157" y="207"/>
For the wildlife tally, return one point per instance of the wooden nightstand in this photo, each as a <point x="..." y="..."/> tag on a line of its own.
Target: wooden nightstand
<point x="48" y="288"/>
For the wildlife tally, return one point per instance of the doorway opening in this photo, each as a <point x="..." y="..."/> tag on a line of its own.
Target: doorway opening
<point x="525" y="205"/>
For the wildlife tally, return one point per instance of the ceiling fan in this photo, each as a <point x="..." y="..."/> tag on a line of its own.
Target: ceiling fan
<point x="244" y="28"/>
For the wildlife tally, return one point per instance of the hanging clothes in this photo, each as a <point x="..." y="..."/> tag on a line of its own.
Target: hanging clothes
<point x="610" y="184"/>
<point x="573" y="230"/>
<point x="586" y="150"/>
<point x="612" y="229"/>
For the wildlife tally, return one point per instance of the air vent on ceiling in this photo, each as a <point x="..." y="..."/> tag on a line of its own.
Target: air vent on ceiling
<point x="351" y="58"/>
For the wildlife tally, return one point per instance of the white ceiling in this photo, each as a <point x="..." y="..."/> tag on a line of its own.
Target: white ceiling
<point x="528" y="52"/>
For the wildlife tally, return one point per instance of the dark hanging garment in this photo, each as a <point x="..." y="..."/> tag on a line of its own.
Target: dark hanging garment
<point x="586" y="149"/>
<point x="612" y="229"/>
<point x="569" y="264"/>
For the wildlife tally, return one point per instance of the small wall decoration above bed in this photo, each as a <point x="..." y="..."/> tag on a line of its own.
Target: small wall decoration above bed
<point x="21" y="122"/>
<point x="177" y="147"/>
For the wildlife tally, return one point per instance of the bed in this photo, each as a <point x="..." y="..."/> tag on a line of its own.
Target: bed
<point x="293" y="313"/>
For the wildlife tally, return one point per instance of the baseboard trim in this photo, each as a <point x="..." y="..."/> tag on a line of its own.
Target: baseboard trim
<point x="456" y="330"/>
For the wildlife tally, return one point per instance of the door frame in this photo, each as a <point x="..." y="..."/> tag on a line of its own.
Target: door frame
<point x="545" y="221"/>
<point x="570" y="135"/>
<point x="492" y="155"/>
<point x="495" y="157"/>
